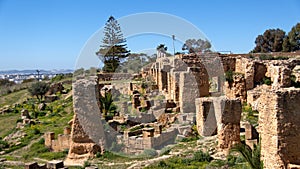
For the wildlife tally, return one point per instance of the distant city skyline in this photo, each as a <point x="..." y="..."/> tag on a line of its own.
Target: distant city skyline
<point x="50" y="34"/>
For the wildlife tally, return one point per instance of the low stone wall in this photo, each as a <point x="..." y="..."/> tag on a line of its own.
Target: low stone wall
<point x="62" y="142"/>
<point x="142" y="118"/>
<point x="114" y="76"/>
<point x="135" y="144"/>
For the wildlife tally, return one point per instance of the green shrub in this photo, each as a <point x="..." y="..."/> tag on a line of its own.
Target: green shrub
<point x="231" y="160"/>
<point x="229" y="76"/>
<point x="293" y="82"/>
<point x="41" y="113"/>
<point x="98" y="155"/>
<point x="250" y="117"/>
<point x="149" y="153"/>
<point x="3" y="144"/>
<point x="57" y="78"/>
<point x="189" y="139"/>
<point x="41" y="141"/>
<point x="201" y="156"/>
<point x="19" y="121"/>
<point x="52" y="155"/>
<point x="86" y="164"/>
<point x="165" y="151"/>
<point x="267" y="80"/>
<point x="266" y="57"/>
<point x="270" y="57"/>
<point x="36" y="131"/>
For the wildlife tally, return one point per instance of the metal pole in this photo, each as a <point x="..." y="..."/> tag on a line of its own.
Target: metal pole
<point x="38" y="71"/>
<point x="173" y="37"/>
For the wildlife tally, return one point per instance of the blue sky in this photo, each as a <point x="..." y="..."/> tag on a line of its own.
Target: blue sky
<point x="50" y="34"/>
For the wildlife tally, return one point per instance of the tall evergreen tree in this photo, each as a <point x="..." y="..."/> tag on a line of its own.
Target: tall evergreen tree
<point x="114" y="47"/>
<point x="292" y="41"/>
<point x="270" y="41"/>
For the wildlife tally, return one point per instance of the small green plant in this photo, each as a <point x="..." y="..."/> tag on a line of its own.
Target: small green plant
<point x="251" y="115"/>
<point x="251" y="156"/>
<point x="270" y="57"/>
<point x="135" y="128"/>
<point x="266" y="57"/>
<point x="294" y="82"/>
<point x="108" y="107"/>
<point x="229" y="76"/>
<point x="267" y="80"/>
<point x="201" y="156"/>
<point x="165" y="151"/>
<point x="86" y="164"/>
<point x="3" y="144"/>
<point x="98" y="155"/>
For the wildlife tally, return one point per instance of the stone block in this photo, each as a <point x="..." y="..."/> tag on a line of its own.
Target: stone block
<point x="293" y="166"/>
<point x="32" y="165"/>
<point x="250" y="132"/>
<point x="55" y="164"/>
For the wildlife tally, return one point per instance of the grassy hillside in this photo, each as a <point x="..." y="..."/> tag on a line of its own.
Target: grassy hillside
<point x="14" y="98"/>
<point x="30" y="144"/>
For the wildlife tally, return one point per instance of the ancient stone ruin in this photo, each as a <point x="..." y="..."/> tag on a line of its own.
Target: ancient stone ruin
<point x="203" y="89"/>
<point x="62" y="142"/>
<point x="219" y="115"/>
<point x="87" y="131"/>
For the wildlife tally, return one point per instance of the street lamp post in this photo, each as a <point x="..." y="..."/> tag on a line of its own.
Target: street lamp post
<point x="173" y="37"/>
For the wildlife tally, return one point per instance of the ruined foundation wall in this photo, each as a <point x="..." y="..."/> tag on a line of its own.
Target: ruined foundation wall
<point x="279" y="124"/>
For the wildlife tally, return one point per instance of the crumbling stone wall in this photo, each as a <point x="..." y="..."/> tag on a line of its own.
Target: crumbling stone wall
<point x="279" y="127"/>
<point x="114" y="76"/>
<point x="135" y="144"/>
<point x="222" y="115"/>
<point x="181" y="80"/>
<point x="236" y="88"/>
<point x="62" y="142"/>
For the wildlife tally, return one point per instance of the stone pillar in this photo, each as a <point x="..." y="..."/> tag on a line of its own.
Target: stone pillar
<point x="229" y="124"/>
<point x="279" y="127"/>
<point x="250" y="132"/>
<point x="124" y="108"/>
<point x="221" y="114"/>
<point x="205" y="117"/>
<point x="148" y="132"/>
<point x="246" y="67"/>
<point x="67" y="130"/>
<point x="49" y="136"/>
<point x="136" y="100"/>
<point x="280" y="76"/>
<point x="87" y="129"/>
<point x="157" y="129"/>
<point x="191" y="86"/>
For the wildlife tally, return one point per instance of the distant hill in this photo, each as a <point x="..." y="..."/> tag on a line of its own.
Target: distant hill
<point x="54" y="71"/>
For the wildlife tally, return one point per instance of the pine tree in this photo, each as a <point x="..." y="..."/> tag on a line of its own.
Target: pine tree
<point x="292" y="41"/>
<point x="270" y="41"/>
<point x="114" y="47"/>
